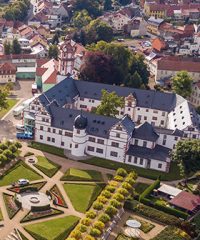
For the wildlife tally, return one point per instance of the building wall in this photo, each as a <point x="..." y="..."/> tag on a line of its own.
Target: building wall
<point x="195" y="96"/>
<point x="7" y="78"/>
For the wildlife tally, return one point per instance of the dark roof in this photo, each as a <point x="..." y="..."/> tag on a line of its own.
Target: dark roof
<point x="128" y="124"/>
<point x="145" y="132"/>
<point x="97" y="125"/>
<point x="175" y="132"/>
<point x="80" y="122"/>
<point x="158" y="153"/>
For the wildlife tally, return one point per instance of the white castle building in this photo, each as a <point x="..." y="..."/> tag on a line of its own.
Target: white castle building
<point x="147" y="128"/>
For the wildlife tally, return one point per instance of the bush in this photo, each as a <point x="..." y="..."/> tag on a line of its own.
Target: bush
<point x="27" y="154"/>
<point x="127" y="186"/>
<point x="119" y="197"/>
<point x="95" y="232"/>
<point x="1" y="151"/>
<point x="102" y="199"/>
<point x="118" y="178"/>
<point x="106" y="193"/>
<point x="132" y="175"/>
<point x="110" y="188"/>
<point x="98" y="205"/>
<point x="99" y="225"/>
<point x="123" y="191"/>
<point x="76" y="234"/>
<point x="13" y="148"/>
<point x="86" y="221"/>
<point x="104" y="218"/>
<point x="18" y="144"/>
<point x="3" y="146"/>
<point x="129" y="180"/>
<point x="91" y="214"/>
<point x="111" y="211"/>
<point x="88" y="237"/>
<point x="115" y="203"/>
<point x="3" y="158"/>
<point x="82" y="228"/>
<point x="121" y="172"/>
<point x="150" y="189"/>
<point x="8" y="154"/>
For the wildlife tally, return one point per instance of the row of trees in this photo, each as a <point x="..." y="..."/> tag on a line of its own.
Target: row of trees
<point x="114" y="64"/>
<point x="14" y="48"/>
<point x="17" y="10"/>
<point x="4" y="93"/>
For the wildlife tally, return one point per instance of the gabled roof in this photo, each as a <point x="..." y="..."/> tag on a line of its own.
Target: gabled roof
<point x="52" y="78"/>
<point x="145" y="132"/>
<point x="128" y="124"/>
<point x="40" y="71"/>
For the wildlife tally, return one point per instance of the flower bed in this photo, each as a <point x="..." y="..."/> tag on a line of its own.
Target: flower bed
<point x="57" y="197"/>
<point x="30" y="187"/>
<point x="11" y="206"/>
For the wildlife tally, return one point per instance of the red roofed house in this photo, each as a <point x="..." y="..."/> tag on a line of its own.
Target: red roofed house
<point x="159" y="44"/>
<point x="186" y="201"/>
<point x="7" y="72"/>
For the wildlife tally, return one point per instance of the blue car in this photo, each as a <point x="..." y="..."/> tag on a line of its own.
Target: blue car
<point x="24" y="135"/>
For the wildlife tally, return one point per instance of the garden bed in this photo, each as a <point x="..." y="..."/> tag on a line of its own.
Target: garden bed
<point x="57" y="197"/>
<point x="121" y="236"/>
<point x="145" y="226"/>
<point x="30" y="187"/>
<point x="11" y="206"/>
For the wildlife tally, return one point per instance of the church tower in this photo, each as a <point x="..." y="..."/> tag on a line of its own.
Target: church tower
<point x="66" y="57"/>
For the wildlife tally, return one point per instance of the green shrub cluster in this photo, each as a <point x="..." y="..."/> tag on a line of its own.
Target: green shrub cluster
<point x="150" y="189"/>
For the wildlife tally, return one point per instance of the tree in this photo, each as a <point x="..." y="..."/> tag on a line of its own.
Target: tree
<point x="182" y="84"/>
<point x="97" y="30"/>
<point x="107" y="5"/>
<point x="124" y="2"/>
<point x="55" y="39"/>
<point x="92" y="7"/>
<point x="110" y="102"/>
<point x="134" y="80"/>
<point x="7" y="47"/>
<point x="100" y="68"/>
<point x="81" y="19"/>
<point x="16" y="47"/>
<point x="4" y="92"/>
<point x="53" y="51"/>
<point x="187" y="155"/>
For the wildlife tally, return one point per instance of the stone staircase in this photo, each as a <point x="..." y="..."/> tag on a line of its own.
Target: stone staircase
<point x="14" y="235"/>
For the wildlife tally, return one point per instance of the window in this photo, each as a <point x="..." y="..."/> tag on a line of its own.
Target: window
<point x="41" y="137"/>
<point x="154" y="111"/>
<point x="119" y="128"/>
<point x="48" y="139"/>
<point x="83" y="106"/>
<point x="154" y="118"/>
<point x="70" y="146"/>
<point x="162" y="122"/>
<point x="144" y="143"/>
<point x="129" y="159"/>
<point x="99" y="150"/>
<point x="145" y="118"/>
<point x="91" y="149"/>
<point x="141" y="161"/>
<point x="62" y="144"/>
<point x="41" y="128"/>
<point x="76" y="145"/>
<point x="53" y="140"/>
<point x="176" y="138"/>
<point x="115" y="144"/>
<point x="136" y="141"/>
<point x="68" y="134"/>
<point x="78" y="131"/>
<point x="117" y="135"/>
<point x="60" y="132"/>
<point x="54" y="130"/>
<point x="159" y="165"/>
<point x="163" y="114"/>
<point x="135" y="160"/>
<point x="139" y="117"/>
<point x="91" y="139"/>
<point x="49" y="129"/>
<point x="100" y="141"/>
<point x="164" y="142"/>
<point x="113" y="154"/>
<point x="147" y="110"/>
<point x="165" y="136"/>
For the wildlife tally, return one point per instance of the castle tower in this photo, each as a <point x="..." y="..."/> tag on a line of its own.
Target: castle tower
<point x="66" y="57"/>
<point x="79" y="140"/>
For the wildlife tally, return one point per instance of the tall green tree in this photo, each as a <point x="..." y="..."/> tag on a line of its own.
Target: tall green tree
<point x="16" y="47"/>
<point x="182" y="84"/>
<point x="7" y="48"/>
<point x="107" y="5"/>
<point x="53" y="51"/>
<point x="187" y="155"/>
<point x="4" y="93"/>
<point x="93" y="7"/>
<point x="134" y="80"/>
<point x="110" y="102"/>
<point x="55" y="39"/>
<point x="81" y="19"/>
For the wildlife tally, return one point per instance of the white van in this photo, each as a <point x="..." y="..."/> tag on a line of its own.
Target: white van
<point x="18" y="111"/>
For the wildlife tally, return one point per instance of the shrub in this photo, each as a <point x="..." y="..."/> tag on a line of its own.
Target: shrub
<point x="1" y="151"/>
<point x="3" y="158"/>
<point x="76" y="234"/>
<point x="118" y="178"/>
<point x="121" y="172"/>
<point x="88" y="237"/>
<point x="110" y="188"/>
<point x="132" y="175"/>
<point x="27" y="154"/>
<point x="104" y="218"/>
<point x="115" y="203"/>
<point x="111" y="211"/>
<point x="119" y="197"/>
<point x="8" y="153"/>
<point x="18" y="144"/>
<point x="106" y="194"/>
<point x="86" y="221"/>
<point x="102" y="199"/>
<point x="3" y="146"/>
<point x="91" y="214"/>
<point x="99" y="225"/>
<point x="98" y="205"/>
<point x="113" y="183"/>
<point x="95" y="232"/>
<point x="123" y="191"/>
<point x="150" y="189"/>
<point x="129" y="180"/>
<point x="127" y="186"/>
<point x="82" y="228"/>
<point x="13" y="148"/>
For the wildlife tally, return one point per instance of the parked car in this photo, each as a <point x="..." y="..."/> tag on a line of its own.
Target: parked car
<point x="20" y="127"/>
<point x="23" y="182"/>
<point x="24" y="135"/>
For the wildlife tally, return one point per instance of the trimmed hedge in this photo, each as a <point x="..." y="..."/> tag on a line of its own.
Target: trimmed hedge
<point x="150" y="189"/>
<point x="40" y="208"/>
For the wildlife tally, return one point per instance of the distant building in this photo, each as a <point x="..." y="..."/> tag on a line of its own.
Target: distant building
<point x="7" y="72"/>
<point x="195" y="96"/>
<point x="153" y="25"/>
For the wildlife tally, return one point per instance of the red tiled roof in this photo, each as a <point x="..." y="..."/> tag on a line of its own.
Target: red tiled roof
<point x="179" y="63"/>
<point x="7" y="67"/>
<point x="186" y="200"/>
<point x="17" y="56"/>
<point x="42" y="61"/>
<point x="52" y="78"/>
<point x="40" y="71"/>
<point x="159" y="44"/>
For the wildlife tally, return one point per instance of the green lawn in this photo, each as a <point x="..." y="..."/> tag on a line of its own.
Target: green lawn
<point x="82" y="195"/>
<point x="47" y="148"/>
<point x="11" y="103"/>
<point x="20" y="170"/>
<point x="46" y="166"/>
<point x="52" y="229"/>
<point x="174" y="173"/>
<point x="74" y="174"/>
<point x="140" y="187"/>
